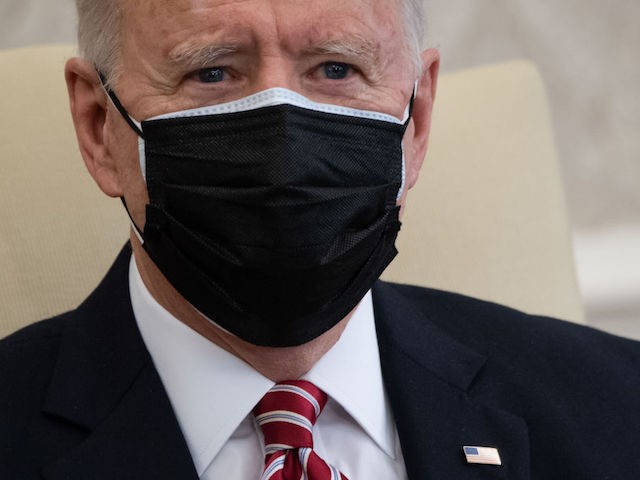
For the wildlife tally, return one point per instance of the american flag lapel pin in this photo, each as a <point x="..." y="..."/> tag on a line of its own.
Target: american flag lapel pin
<point x="482" y="455"/>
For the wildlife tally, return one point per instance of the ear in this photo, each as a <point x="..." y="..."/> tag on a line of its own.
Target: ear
<point x="417" y="135"/>
<point x="88" y="102"/>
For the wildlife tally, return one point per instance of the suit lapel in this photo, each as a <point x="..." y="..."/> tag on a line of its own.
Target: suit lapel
<point x="428" y="375"/>
<point x="105" y="384"/>
<point x="139" y="439"/>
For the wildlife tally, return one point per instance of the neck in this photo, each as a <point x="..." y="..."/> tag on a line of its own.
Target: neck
<point x="275" y="363"/>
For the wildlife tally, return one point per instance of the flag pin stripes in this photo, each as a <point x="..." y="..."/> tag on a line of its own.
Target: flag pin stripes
<point x="482" y="455"/>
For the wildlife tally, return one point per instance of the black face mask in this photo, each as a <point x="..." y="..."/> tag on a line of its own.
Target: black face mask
<point x="274" y="219"/>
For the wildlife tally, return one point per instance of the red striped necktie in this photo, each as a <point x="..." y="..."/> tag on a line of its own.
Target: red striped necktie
<point x="286" y="415"/>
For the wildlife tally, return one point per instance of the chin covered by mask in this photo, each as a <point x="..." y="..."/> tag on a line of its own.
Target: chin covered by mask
<point x="272" y="215"/>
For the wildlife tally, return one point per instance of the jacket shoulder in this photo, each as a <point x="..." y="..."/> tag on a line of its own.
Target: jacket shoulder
<point x="33" y="345"/>
<point x="489" y="328"/>
<point x="537" y="364"/>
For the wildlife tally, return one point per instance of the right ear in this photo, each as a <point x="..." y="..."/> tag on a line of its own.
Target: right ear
<point x="88" y="102"/>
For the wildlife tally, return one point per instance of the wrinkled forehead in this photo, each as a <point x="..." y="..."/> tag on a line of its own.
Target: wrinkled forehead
<point x="158" y="22"/>
<point x="168" y="7"/>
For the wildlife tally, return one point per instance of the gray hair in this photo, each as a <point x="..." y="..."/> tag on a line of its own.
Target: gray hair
<point x="99" y="37"/>
<point x="414" y="26"/>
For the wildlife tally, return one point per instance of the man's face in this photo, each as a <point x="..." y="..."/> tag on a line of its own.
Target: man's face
<point x="190" y="53"/>
<point x="184" y="54"/>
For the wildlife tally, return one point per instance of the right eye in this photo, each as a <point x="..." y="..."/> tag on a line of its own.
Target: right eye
<point x="336" y="70"/>
<point x="211" y="75"/>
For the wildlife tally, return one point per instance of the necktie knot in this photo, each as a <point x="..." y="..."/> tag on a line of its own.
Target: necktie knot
<point x="287" y="413"/>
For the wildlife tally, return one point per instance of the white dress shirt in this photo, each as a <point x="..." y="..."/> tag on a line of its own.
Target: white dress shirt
<point x="213" y="392"/>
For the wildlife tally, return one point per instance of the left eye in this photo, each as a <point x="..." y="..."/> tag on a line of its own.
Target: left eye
<point x="336" y="70"/>
<point x="211" y="75"/>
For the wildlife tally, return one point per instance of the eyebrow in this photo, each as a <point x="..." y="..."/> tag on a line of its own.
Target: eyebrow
<point x="200" y="56"/>
<point x="353" y="46"/>
<point x="367" y="52"/>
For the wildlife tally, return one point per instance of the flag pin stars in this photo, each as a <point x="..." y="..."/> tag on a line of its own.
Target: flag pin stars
<point x="482" y="455"/>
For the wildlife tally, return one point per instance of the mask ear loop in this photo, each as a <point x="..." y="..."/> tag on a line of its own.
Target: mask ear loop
<point x="136" y="230"/>
<point x="137" y="128"/>
<point x="407" y="117"/>
<point x="408" y="111"/>
<point x="135" y="125"/>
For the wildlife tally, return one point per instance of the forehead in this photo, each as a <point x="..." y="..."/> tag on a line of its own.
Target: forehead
<point x="161" y="25"/>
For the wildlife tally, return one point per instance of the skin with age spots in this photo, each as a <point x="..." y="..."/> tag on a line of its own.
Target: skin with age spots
<point x="186" y="54"/>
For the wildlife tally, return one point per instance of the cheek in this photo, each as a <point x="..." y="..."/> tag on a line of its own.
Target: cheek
<point x="124" y="150"/>
<point x="411" y="159"/>
<point x="136" y="195"/>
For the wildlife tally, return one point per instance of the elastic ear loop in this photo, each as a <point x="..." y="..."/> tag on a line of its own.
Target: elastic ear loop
<point x="136" y="230"/>
<point x="136" y="127"/>
<point x="407" y="119"/>
<point x="409" y="110"/>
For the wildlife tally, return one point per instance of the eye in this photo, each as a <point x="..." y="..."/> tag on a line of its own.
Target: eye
<point x="336" y="70"/>
<point x="211" y="75"/>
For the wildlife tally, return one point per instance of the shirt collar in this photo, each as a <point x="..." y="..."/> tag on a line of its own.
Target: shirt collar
<point x="350" y="373"/>
<point x="212" y="391"/>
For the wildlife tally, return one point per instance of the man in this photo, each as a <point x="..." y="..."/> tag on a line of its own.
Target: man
<point x="263" y="150"/>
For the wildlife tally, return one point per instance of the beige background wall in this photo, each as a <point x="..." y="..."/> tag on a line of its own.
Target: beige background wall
<point x="587" y="52"/>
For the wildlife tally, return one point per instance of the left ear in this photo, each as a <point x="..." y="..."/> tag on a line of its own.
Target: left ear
<point x="417" y="135"/>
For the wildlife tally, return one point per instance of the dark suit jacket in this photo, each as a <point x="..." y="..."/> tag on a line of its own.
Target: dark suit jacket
<point x="80" y="398"/>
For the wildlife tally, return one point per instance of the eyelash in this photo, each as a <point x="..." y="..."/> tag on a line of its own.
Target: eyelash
<point x="342" y="69"/>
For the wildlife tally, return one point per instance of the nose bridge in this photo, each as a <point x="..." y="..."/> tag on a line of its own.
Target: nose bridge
<point x="275" y="68"/>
